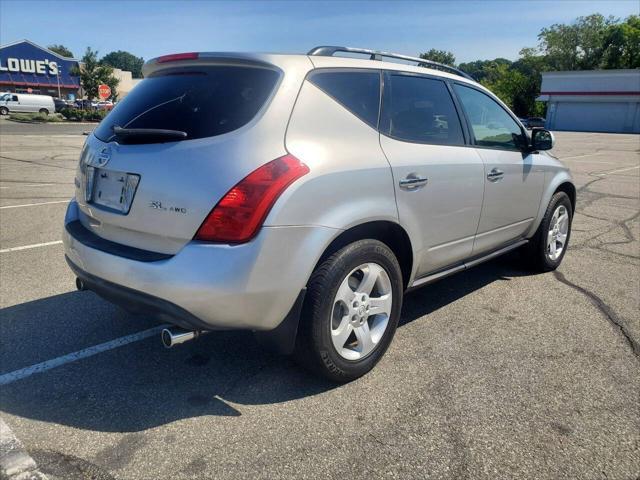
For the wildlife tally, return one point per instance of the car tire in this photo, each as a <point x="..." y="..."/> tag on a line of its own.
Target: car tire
<point x="548" y="246"/>
<point x="339" y="336"/>
<point x="44" y="111"/>
<point x="4" y="111"/>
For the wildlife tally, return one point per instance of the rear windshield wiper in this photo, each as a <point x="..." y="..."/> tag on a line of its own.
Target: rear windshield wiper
<point x="148" y="132"/>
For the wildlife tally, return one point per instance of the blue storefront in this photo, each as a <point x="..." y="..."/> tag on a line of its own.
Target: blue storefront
<point x="28" y="68"/>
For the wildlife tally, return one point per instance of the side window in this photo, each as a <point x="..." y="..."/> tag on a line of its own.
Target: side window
<point x="14" y="98"/>
<point x="420" y="110"/>
<point x="358" y="92"/>
<point x="491" y="125"/>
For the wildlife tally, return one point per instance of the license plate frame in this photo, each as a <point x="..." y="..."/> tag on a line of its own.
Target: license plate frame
<point x="111" y="190"/>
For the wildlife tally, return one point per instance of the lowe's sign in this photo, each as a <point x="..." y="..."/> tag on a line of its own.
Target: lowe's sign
<point x="42" y="67"/>
<point x="27" y="65"/>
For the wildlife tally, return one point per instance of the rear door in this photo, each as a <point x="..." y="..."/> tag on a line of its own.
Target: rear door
<point x="513" y="181"/>
<point x="438" y="179"/>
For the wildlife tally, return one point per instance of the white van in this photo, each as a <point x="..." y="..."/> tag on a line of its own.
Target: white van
<point x="23" y="102"/>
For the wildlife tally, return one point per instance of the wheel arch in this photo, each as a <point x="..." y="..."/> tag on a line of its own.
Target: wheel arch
<point x="283" y="338"/>
<point x="570" y="189"/>
<point x="389" y="233"/>
<point x="560" y="181"/>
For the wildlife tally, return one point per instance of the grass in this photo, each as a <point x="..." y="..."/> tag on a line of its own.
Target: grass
<point x="36" y="117"/>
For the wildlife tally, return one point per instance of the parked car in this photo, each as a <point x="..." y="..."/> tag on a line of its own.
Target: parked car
<point x="535" y="122"/>
<point x="281" y="195"/>
<point x="104" y="105"/>
<point x="60" y="104"/>
<point x="85" y="104"/>
<point x="26" y="103"/>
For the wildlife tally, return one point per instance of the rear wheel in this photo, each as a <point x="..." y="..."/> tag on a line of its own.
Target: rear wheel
<point x="548" y="246"/>
<point x="351" y="311"/>
<point x="4" y="111"/>
<point x="44" y="111"/>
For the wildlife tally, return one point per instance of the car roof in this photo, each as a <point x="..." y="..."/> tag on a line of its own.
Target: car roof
<point x="316" y="61"/>
<point x="347" y="62"/>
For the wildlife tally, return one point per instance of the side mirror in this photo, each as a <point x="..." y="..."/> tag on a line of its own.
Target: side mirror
<point x="542" y="139"/>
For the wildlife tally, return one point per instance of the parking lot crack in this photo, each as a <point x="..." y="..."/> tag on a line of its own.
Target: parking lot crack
<point x="42" y="164"/>
<point x="605" y="309"/>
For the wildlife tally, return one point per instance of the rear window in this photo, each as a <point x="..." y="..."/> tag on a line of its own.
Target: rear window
<point x="420" y="110"/>
<point x="200" y="101"/>
<point x="357" y="91"/>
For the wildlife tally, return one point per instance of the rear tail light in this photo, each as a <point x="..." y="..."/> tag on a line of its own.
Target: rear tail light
<point x="239" y="214"/>
<point x="178" y="56"/>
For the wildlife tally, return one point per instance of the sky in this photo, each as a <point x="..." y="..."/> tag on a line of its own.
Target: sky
<point x="470" y="29"/>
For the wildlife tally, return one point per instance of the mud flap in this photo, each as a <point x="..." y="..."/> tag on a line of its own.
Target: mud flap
<point x="282" y="339"/>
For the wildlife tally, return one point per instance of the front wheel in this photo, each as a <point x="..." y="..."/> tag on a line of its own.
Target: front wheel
<point x="4" y="111"/>
<point x="548" y="246"/>
<point x="44" y="111"/>
<point x="351" y="311"/>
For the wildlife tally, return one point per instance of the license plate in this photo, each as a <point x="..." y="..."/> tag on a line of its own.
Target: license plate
<point x="110" y="189"/>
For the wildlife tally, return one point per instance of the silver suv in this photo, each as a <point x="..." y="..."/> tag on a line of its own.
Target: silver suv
<point x="299" y="196"/>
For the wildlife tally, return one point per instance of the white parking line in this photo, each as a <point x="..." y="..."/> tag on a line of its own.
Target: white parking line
<point x="34" y="204"/>
<point x="576" y="159"/>
<point x="619" y="170"/>
<point x="32" y="185"/>
<point x="27" y="247"/>
<point x="79" y="355"/>
<point x="581" y="156"/>
<point x="15" y="461"/>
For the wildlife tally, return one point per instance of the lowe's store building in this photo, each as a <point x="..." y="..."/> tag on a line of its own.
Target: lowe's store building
<point x="29" y="68"/>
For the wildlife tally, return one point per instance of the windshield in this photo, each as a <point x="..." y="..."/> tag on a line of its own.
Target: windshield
<point x="200" y="101"/>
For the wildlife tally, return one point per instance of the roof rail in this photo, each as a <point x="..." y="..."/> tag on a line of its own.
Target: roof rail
<point x="329" y="51"/>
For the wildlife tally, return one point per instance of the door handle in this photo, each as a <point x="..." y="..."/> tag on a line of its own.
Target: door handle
<point x="413" y="181"/>
<point x="494" y="175"/>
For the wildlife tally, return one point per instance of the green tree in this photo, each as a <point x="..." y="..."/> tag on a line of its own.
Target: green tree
<point x="508" y="84"/>
<point x="622" y="44"/>
<point x="479" y="69"/>
<point x="61" y="50"/>
<point x="576" y="46"/>
<point x="124" y="61"/>
<point x="531" y="64"/>
<point x="440" y="56"/>
<point x="92" y="74"/>
<point x="590" y="42"/>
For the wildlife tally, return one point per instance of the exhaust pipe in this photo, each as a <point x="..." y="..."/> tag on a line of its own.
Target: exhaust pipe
<point x="175" y="336"/>
<point x="80" y="285"/>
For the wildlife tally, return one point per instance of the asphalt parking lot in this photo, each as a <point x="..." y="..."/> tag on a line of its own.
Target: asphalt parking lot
<point x="494" y="373"/>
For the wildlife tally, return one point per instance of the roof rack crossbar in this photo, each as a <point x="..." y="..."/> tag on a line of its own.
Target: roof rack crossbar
<point x="329" y="51"/>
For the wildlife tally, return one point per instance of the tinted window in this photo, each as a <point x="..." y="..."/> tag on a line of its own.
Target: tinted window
<point x="358" y="92"/>
<point x="492" y="126"/>
<point x="420" y="110"/>
<point x="201" y="101"/>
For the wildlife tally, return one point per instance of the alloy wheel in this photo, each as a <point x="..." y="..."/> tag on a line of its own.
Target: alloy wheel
<point x="558" y="232"/>
<point x="361" y="310"/>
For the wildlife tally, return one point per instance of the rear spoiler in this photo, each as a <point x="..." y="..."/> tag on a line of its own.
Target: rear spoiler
<point x="206" y="58"/>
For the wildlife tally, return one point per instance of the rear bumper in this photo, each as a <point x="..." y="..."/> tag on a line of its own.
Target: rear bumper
<point x="205" y="286"/>
<point x="138" y="302"/>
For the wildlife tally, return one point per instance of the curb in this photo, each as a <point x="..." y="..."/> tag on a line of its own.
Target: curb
<point x="15" y="462"/>
<point x="32" y="122"/>
<point x="63" y="122"/>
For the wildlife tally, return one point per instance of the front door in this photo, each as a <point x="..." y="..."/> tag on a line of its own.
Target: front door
<point x="513" y="182"/>
<point x="438" y="180"/>
<point x="13" y="104"/>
